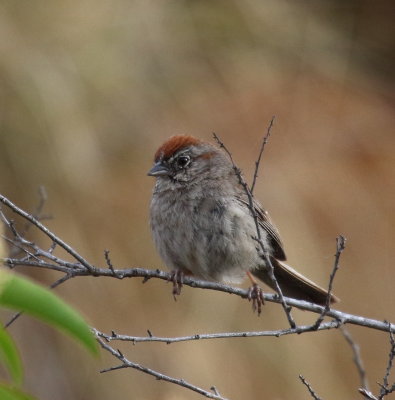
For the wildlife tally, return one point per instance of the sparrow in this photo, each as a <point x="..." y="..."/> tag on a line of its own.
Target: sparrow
<point x="202" y="223"/>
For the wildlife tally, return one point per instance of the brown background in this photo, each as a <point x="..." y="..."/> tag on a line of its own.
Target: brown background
<point x="89" y="89"/>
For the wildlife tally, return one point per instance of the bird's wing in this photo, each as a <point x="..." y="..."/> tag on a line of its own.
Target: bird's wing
<point x="266" y="224"/>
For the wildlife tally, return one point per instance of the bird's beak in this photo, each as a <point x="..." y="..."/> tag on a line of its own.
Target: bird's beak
<point x="159" y="169"/>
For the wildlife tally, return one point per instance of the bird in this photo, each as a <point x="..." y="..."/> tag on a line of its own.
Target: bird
<point x="203" y="224"/>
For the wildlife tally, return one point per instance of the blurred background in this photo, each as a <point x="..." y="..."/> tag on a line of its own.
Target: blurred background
<point x="90" y="89"/>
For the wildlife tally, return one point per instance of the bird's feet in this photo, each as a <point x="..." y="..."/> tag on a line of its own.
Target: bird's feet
<point x="255" y="294"/>
<point x="177" y="277"/>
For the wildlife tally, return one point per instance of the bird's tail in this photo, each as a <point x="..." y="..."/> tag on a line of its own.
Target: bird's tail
<point x="293" y="284"/>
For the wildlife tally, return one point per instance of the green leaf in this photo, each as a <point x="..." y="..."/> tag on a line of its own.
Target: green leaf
<point x="10" y="357"/>
<point x="10" y="393"/>
<point x="22" y="294"/>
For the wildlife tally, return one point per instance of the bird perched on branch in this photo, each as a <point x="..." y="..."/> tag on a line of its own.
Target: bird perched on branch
<point x="203" y="223"/>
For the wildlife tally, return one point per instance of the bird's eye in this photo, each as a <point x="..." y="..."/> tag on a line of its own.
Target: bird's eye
<point x="183" y="161"/>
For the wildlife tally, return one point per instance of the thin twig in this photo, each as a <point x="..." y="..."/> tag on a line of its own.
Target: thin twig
<point x="340" y="246"/>
<point x="221" y="335"/>
<point x="390" y="359"/>
<point x="43" y="197"/>
<point x="61" y="280"/>
<point x="109" y="263"/>
<point x="47" y="232"/>
<point x="356" y="357"/>
<point x="20" y="247"/>
<point x="12" y="319"/>
<point x="109" y="369"/>
<point x="385" y="388"/>
<point x="310" y="389"/>
<point x="258" y="161"/>
<point x="259" y="236"/>
<point x="129" y="364"/>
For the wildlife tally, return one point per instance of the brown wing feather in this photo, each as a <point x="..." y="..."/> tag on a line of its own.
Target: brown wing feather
<point x="267" y="225"/>
<point x="294" y="284"/>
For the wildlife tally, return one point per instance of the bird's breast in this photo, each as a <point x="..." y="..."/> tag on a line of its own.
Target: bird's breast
<point x="210" y="236"/>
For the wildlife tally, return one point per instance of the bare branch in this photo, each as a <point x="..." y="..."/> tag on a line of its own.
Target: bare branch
<point x="247" y="190"/>
<point x="225" y="335"/>
<point x="43" y="197"/>
<point x="47" y="232"/>
<point x="129" y="364"/>
<point x="48" y="260"/>
<point x="385" y="389"/>
<point x="340" y="246"/>
<point x="258" y="161"/>
<point x="356" y="358"/>
<point x="390" y="359"/>
<point x="310" y="389"/>
<point x="343" y="317"/>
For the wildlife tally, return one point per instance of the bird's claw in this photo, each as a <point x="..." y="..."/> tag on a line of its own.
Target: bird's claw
<point x="177" y="277"/>
<point x="255" y="294"/>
